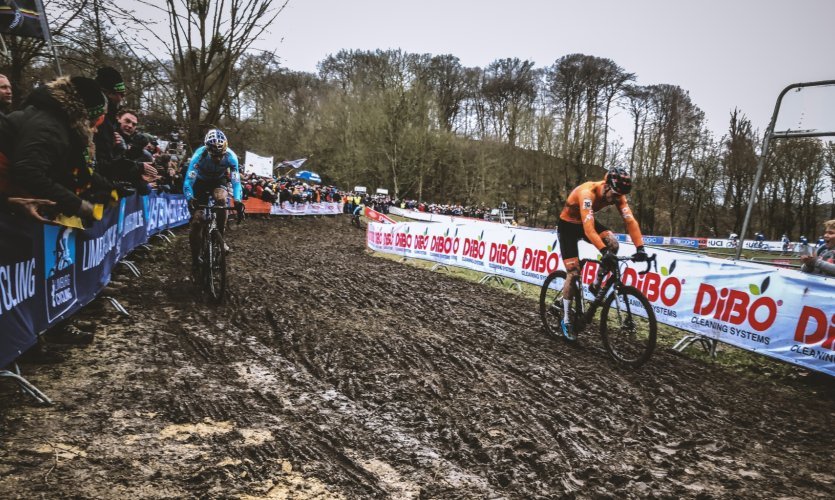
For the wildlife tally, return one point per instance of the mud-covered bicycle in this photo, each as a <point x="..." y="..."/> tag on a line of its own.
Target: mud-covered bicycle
<point x="212" y="270"/>
<point x="628" y="327"/>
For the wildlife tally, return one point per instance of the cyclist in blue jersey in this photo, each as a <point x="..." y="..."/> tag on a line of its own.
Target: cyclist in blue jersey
<point x="207" y="175"/>
<point x="355" y="215"/>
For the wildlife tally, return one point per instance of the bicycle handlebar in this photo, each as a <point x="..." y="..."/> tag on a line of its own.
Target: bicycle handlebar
<point x="650" y="262"/>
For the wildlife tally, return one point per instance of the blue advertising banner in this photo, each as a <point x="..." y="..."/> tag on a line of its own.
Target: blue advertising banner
<point x="685" y="242"/>
<point x="47" y="273"/>
<point x="653" y="240"/>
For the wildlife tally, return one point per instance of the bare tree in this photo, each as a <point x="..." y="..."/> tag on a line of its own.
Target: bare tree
<point x="740" y="164"/>
<point x="206" y="40"/>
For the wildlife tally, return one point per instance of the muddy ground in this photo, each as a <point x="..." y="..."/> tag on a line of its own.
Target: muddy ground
<point x="330" y="373"/>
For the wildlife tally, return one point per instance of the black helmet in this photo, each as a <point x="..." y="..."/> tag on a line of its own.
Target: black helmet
<point x="619" y="180"/>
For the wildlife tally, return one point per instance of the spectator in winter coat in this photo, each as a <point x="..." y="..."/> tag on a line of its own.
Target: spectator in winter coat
<point x="52" y="155"/>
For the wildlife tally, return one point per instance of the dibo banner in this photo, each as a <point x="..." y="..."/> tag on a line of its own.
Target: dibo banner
<point x="47" y="273"/>
<point x="777" y="312"/>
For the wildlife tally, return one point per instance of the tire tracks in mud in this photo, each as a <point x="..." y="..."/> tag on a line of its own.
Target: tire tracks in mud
<point x="364" y="377"/>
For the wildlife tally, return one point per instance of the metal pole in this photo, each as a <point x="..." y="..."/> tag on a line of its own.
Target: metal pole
<point x="761" y="163"/>
<point x="4" y="51"/>
<point x="47" y="35"/>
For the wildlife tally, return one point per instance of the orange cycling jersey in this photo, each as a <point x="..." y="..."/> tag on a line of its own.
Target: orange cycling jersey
<point x="588" y="198"/>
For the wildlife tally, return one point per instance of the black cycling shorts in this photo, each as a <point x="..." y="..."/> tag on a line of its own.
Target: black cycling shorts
<point x="203" y="188"/>
<point x="570" y="234"/>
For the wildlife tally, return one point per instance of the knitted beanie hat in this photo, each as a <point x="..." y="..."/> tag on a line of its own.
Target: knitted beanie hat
<point x="90" y="93"/>
<point x="110" y="79"/>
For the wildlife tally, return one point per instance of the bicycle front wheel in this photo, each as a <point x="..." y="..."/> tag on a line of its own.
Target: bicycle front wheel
<point x="628" y="327"/>
<point x="216" y="266"/>
<point x="551" y="305"/>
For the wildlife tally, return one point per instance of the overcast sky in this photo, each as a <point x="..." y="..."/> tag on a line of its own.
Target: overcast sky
<point x="726" y="53"/>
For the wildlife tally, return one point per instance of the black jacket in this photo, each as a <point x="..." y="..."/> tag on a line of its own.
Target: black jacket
<point x="51" y="155"/>
<point x="111" y="160"/>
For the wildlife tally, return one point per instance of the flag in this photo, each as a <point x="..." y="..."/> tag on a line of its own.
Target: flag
<point x="290" y="163"/>
<point x="23" y="18"/>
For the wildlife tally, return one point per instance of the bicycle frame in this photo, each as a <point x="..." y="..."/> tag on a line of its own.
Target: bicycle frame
<point x="613" y="280"/>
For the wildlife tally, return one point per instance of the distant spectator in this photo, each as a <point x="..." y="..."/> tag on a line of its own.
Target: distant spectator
<point x="5" y="95"/>
<point x="803" y="248"/>
<point x="168" y="167"/>
<point x="822" y="261"/>
<point x="113" y="87"/>
<point x="786" y="241"/>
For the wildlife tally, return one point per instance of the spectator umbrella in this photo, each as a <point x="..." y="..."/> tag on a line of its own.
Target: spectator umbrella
<point x="308" y="176"/>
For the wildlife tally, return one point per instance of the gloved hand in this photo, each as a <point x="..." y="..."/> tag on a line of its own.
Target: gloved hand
<point x="241" y="210"/>
<point x="640" y="254"/>
<point x="608" y="259"/>
<point x="192" y="205"/>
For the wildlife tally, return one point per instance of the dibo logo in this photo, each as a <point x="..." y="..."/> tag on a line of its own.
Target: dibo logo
<point x="736" y="307"/>
<point x="820" y="332"/>
<point x="474" y="248"/>
<point x="540" y="261"/>
<point x="665" y="287"/>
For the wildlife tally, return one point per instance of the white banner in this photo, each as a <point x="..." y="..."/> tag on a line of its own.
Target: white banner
<point x="258" y="165"/>
<point x="771" y="246"/>
<point x="324" y="208"/>
<point x="777" y="312"/>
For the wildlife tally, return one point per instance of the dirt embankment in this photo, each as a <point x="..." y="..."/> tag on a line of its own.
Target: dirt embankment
<point x="330" y="373"/>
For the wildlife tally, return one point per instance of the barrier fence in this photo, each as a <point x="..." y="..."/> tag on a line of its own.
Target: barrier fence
<point x="781" y="313"/>
<point x="703" y="243"/>
<point x="47" y="273"/>
<point x="256" y="206"/>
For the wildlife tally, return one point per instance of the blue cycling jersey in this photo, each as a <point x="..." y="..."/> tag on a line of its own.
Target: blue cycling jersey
<point x="203" y="167"/>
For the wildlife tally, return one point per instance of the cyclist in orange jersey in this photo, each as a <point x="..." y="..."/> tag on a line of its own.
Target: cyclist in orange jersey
<point x="577" y="221"/>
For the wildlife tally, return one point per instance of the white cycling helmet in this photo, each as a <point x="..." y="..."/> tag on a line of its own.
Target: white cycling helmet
<point x="215" y="142"/>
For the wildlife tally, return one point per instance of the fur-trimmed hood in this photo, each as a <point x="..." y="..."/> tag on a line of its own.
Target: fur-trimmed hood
<point x="60" y="97"/>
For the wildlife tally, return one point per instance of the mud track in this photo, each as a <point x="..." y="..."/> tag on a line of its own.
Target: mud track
<point x="330" y="373"/>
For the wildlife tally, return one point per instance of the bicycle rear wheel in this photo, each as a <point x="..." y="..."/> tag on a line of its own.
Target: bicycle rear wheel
<point x="628" y="327"/>
<point x="551" y="305"/>
<point x="216" y="266"/>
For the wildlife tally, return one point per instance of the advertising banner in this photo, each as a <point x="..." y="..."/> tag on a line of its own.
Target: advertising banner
<point x="324" y="208"/>
<point x="377" y="216"/>
<point x="47" y="273"/>
<point x="258" y="165"/>
<point x="780" y="313"/>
